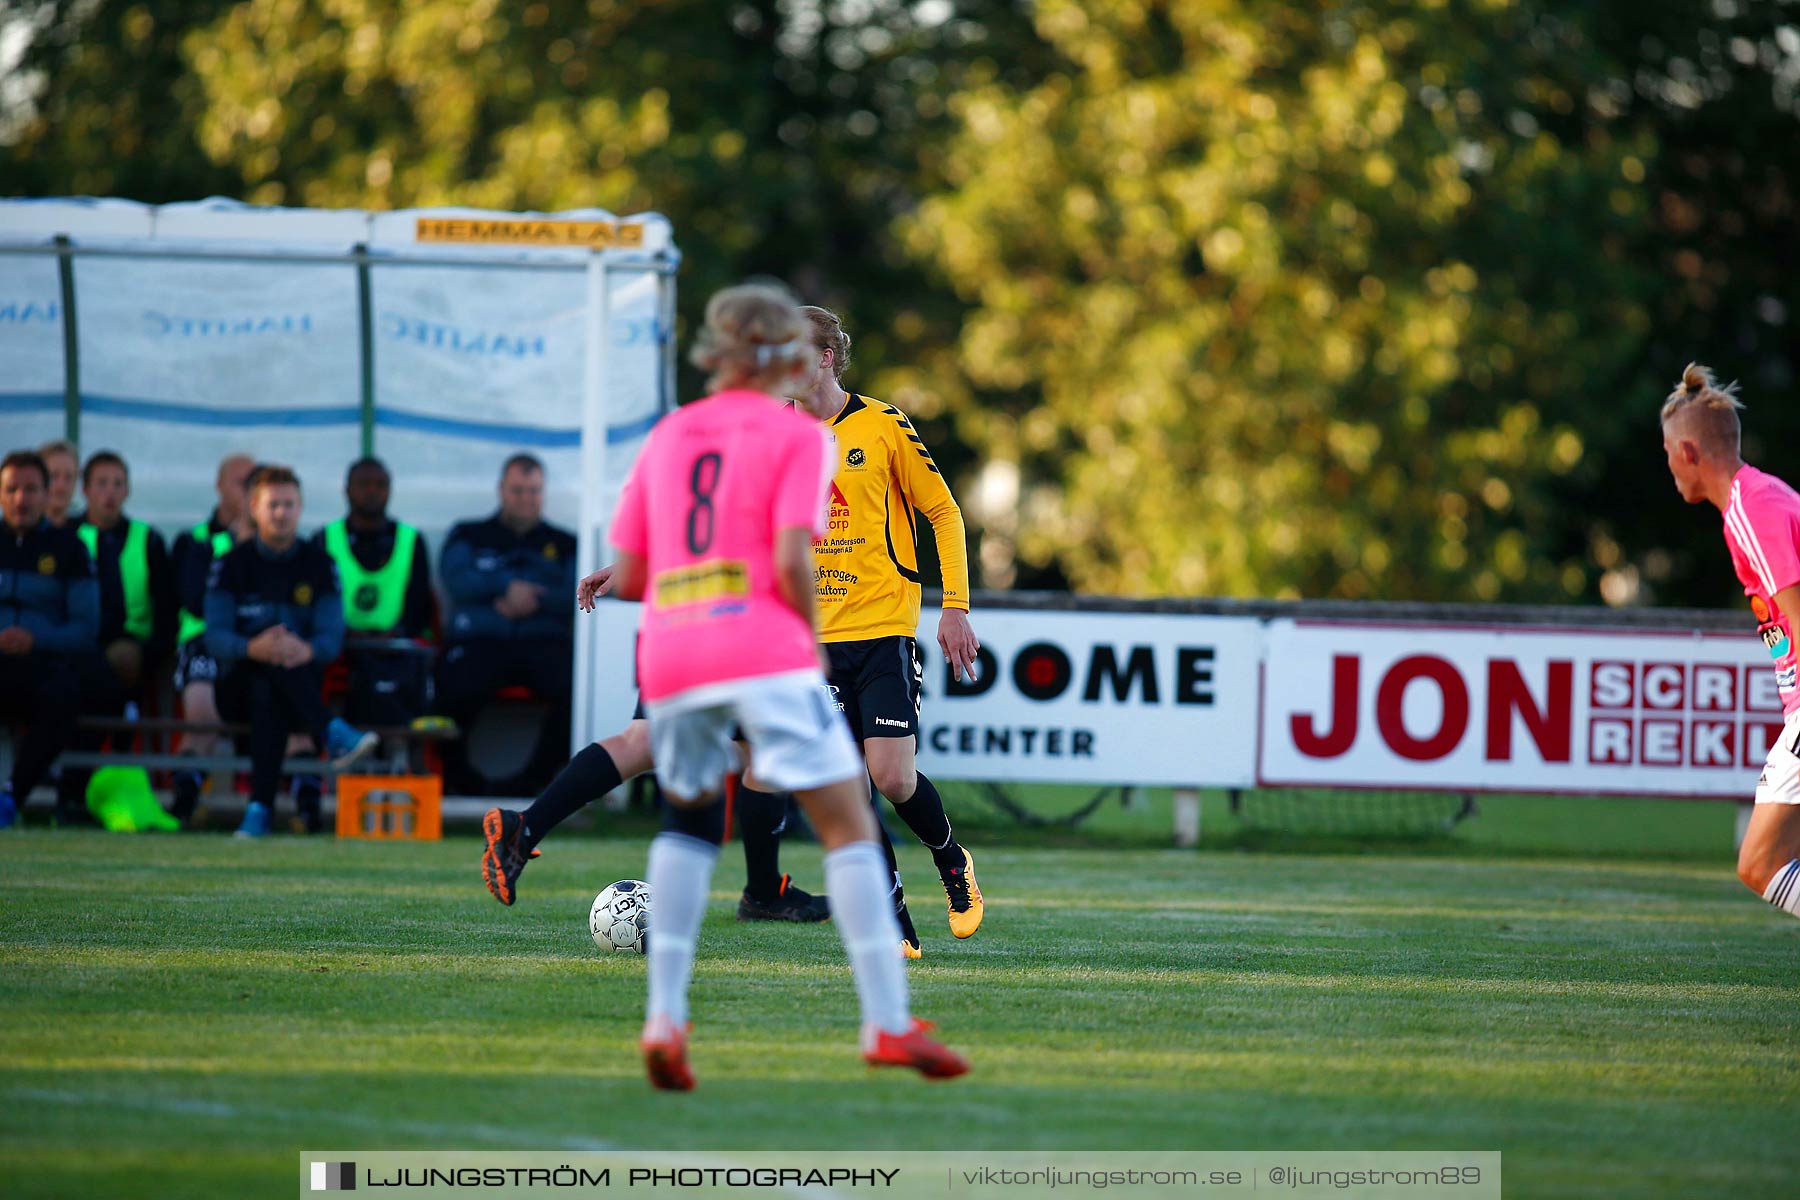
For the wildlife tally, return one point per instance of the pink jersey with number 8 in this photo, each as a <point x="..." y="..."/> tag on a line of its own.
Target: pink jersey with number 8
<point x="714" y="483"/>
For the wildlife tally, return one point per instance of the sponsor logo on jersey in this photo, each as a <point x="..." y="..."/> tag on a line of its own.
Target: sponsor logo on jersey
<point x="895" y="724"/>
<point x="47" y="565"/>
<point x="303" y="594"/>
<point x="714" y="579"/>
<point x="1785" y="678"/>
<point x="1761" y="609"/>
<point x="1776" y="639"/>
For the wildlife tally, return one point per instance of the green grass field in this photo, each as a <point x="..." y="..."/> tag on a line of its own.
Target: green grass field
<point x="182" y="1015"/>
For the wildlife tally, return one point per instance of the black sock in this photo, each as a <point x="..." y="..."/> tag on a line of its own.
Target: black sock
<point x="307" y="799"/>
<point x="702" y="824"/>
<point x="589" y="776"/>
<point x="924" y="815"/>
<point x="759" y="815"/>
<point x="187" y="794"/>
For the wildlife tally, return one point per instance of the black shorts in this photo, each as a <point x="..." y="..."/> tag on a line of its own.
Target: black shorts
<point x="194" y="665"/>
<point x="876" y="685"/>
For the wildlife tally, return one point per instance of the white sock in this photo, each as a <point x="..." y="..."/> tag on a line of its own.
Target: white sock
<point x="680" y="870"/>
<point x="1783" y="890"/>
<point x="855" y="876"/>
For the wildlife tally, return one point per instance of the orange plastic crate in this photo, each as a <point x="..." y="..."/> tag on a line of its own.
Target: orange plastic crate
<point x="390" y="806"/>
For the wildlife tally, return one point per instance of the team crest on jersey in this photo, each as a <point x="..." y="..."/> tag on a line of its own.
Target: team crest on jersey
<point x="550" y="551"/>
<point x="303" y="594"/>
<point x="856" y="457"/>
<point x="367" y="597"/>
<point x="47" y="565"/>
<point x="1760" y="609"/>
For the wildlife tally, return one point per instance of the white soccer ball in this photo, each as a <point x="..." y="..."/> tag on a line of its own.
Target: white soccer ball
<point x="620" y="918"/>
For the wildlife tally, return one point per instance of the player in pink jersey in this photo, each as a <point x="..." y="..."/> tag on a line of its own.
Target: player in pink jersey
<point x="1762" y="530"/>
<point x="714" y="533"/>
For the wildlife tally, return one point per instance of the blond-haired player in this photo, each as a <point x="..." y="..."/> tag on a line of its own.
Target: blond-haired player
<point x="1762" y="530"/>
<point x="869" y="599"/>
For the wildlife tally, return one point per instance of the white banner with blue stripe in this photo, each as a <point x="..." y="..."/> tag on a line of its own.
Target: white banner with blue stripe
<point x="210" y="328"/>
<point x="185" y="361"/>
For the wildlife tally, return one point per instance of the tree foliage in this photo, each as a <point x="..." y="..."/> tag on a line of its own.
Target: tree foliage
<point x="1291" y="306"/>
<point x="1225" y="296"/>
<point x="101" y="102"/>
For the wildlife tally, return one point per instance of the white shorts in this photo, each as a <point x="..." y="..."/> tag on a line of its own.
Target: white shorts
<point x="799" y="739"/>
<point x="1780" y="782"/>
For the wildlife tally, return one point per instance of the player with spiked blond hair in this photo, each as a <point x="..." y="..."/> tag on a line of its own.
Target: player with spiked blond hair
<point x="1700" y="430"/>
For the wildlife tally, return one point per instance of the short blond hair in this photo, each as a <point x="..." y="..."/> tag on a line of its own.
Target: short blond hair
<point x="753" y="332"/>
<point x="1706" y="410"/>
<point x="61" y="446"/>
<point x="828" y="334"/>
<point x="268" y="475"/>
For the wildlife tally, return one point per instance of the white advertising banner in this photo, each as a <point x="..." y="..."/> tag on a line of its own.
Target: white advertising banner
<point x="186" y="361"/>
<point x="31" y="352"/>
<point x="211" y="328"/>
<point x="1515" y="708"/>
<point x="1095" y="697"/>
<point x="1061" y="697"/>
<point x="473" y="365"/>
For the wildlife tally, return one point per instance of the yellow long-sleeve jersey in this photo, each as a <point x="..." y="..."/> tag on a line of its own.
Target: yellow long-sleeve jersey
<point x="868" y="561"/>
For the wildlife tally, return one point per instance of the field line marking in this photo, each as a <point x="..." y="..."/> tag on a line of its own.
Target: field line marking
<point x="225" y="1111"/>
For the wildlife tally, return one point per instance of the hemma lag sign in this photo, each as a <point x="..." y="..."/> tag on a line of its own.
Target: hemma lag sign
<point x="1514" y="708"/>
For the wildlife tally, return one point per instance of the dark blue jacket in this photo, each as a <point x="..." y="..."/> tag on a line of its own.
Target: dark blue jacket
<point x="253" y="589"/>
<point x="47" y="585"/>
<point x="482" y="557"/>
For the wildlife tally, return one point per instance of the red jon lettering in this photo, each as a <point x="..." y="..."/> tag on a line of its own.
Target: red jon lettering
<point x="1345" y="671"/>
<point x="1551" y="726"/>
<point x="1451" y="727"/>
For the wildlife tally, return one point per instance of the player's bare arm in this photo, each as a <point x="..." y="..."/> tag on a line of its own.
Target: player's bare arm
<point x="594" y="586"/>
<point x="1772" y="839"/>
<point x="629" y="576"/>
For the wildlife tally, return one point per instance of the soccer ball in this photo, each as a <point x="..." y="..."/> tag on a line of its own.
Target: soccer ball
<point x="620" y="918"/>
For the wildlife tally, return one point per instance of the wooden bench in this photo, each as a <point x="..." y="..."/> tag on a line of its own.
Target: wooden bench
<point x="167" y="759"/>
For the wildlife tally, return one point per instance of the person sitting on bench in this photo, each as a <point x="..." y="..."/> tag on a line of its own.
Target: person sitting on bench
<point x="273" y="620"/>
<point x="49" y="617"/>
<point x="137" y="581"/>
<point x="510" y="580"/>
<point x="385" y="572"/>
<point x="196" y="672"/>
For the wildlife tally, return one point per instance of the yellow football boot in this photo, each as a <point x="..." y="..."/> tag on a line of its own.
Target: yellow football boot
<point x="964" y="895"/>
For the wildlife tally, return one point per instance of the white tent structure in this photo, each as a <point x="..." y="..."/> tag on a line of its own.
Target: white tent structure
<point x="443" y="340"/>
